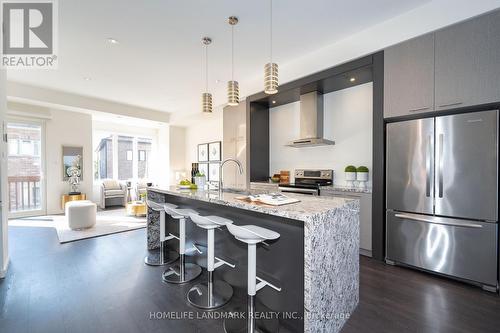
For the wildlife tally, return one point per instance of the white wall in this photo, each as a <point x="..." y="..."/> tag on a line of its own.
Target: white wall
<point x="4" y="246"/>
<point x="66" y="128"/>
<point x="206" y="128"/>
<point x="162" y="160"/>
<point x="234" y="145"/>
<point x="177" y="142"/>
<point x="347" y="121"/>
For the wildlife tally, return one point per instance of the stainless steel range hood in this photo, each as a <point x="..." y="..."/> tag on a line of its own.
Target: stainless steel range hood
<point x="311" y="122"/>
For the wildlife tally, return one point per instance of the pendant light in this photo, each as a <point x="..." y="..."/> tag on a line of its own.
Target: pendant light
<point x="271" y="68"/>
<point x="206" y="97"/>
<point x="233" y="90"/>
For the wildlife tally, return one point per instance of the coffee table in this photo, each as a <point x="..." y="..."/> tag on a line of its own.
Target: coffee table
<point x="136" y="208"/>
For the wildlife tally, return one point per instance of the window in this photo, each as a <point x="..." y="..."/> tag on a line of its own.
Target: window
<point x="125" y="165"/>
<point x="36" y="148"/>
<point x="13" y="147"/>
<point x="144" y="149"/>
<point x="104" y="158"/>
<point x="121" y="157"/>
<point x="26" y="147"/>
<point x="24" y="168"/>
<point x="142" y="155"/>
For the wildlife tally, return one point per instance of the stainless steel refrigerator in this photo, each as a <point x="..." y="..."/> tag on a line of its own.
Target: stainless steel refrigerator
<point x="442" y="195"/>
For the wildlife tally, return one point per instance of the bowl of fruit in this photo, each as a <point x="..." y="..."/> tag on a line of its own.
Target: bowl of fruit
<point x="187" y="185"/>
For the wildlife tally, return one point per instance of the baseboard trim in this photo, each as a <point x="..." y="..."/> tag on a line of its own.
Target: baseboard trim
<point x="366" y="253"/>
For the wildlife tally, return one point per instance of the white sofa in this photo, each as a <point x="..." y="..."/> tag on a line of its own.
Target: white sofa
<point x="80" y="214"/>
<point x="113" y="193"/>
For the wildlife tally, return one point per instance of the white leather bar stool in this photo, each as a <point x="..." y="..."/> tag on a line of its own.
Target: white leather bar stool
<point x="182" y="272"/>
<point x="161" y="256"/>
<point x="252" y="235"/>
<point x="211" y="295"/>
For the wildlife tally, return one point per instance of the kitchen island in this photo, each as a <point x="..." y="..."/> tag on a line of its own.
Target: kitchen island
<point x="315" y="261"/>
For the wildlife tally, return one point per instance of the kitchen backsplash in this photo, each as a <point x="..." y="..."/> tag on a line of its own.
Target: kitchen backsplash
<point x="348" y="121"/>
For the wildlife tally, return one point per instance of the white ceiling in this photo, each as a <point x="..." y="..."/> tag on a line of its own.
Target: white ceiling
<point x="158" y="61"/>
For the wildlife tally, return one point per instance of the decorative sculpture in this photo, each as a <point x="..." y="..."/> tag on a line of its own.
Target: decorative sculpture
<point x="74" y="173"/>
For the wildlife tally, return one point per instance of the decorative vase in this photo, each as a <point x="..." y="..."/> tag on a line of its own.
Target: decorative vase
<point x="200" y="182"/>
<point x="350" y="177"/>
<point x="362" y="178"/>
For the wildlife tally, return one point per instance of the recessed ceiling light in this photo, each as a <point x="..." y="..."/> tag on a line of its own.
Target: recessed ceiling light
<point x="86" y="78"/>
<point x="113" y="41"/>
<point x="352" y="79"/>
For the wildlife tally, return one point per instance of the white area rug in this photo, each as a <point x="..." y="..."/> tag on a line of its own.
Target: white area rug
<point x="107" y="222"/>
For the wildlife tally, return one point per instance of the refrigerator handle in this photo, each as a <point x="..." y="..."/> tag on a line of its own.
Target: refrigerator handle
<point x="439" y="159"/>
<point x="428" y="167"/>
<point x="429" y="219"/>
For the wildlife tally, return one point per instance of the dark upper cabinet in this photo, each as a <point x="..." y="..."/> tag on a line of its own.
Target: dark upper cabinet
<point x="454" y="67"/>
<point x="409" y="77"/>
<point x="468" y="63"/>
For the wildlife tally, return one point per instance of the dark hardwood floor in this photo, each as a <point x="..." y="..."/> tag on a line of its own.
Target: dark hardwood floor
<point x="102" y="285"/>
<point x="397" y="299"/>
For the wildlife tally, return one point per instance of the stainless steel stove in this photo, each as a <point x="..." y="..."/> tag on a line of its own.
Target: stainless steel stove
<point x="308" y="181"/>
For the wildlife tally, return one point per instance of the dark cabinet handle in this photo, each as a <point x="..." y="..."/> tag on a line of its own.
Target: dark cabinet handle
<point x="419" y="109"/>
<point x="450" y="104"/>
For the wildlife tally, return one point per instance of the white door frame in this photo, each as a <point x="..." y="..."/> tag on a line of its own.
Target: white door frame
<point x="43" y="185"/>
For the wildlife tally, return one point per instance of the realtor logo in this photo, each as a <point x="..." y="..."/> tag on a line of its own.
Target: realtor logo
<point x="29" y="34"/>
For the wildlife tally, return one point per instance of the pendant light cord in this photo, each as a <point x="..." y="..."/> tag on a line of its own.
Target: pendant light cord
<point x="232" y="52"/>
<point x="206" y="68"/>
<point x="271" y="29"/>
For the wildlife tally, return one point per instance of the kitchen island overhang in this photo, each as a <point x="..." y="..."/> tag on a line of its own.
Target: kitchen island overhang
<point x="315" y="261"/>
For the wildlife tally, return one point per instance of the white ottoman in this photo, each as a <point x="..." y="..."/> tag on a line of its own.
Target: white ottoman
<point x="81" y="214"/>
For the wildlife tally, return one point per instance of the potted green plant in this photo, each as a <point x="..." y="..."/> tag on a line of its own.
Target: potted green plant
<point x="350" y="174"/>
<point x="362" y="176"/>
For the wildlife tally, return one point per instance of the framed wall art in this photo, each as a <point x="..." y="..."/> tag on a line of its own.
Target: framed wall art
<point x="203" y="152"/>
<point x="213" y="172"/>
<point x="72" y="157"/>
<point x="214" y="151"/>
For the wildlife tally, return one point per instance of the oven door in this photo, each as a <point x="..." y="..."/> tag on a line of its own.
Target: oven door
<point x="301" y="190"/>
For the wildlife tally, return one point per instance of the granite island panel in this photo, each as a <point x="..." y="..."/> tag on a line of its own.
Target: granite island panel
<point x="316" y="259"/>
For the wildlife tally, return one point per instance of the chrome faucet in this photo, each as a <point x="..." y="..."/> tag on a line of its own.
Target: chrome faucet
<point x="240" y="169"/>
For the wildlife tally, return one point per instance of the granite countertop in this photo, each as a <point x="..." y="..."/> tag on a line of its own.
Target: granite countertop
<point x="340" y="188"/>
<point x="309" y="207"/>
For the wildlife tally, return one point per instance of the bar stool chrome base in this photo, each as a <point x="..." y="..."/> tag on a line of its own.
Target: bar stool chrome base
<point x="181" y="273"/>
<point x="210" y="295"/>
<point x="250" y="324"/>
<point x="154" y="257"/>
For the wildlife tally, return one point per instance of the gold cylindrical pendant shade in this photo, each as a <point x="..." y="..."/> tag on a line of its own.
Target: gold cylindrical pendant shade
<point x="271" y="78"/>
<point x="233" y="93"/>
<point x="206" y="102"/>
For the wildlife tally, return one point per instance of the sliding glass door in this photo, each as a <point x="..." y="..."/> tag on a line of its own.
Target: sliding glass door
<point x="25" y="165"/>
